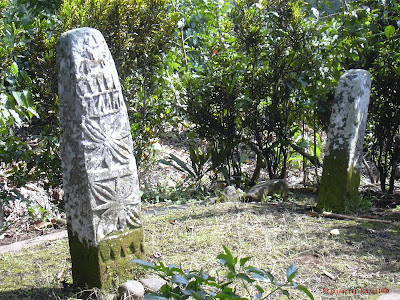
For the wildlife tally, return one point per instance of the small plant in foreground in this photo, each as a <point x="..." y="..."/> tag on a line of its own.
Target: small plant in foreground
<point x="200" y="285"/>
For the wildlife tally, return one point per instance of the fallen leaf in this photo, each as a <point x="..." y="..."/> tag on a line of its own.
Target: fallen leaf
<point x="312" y="214"/>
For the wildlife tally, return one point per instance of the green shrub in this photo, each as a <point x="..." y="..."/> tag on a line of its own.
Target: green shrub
<point x="138" y="33"/>
<point x="254" y="74"/>
<point x="250" y="281"/>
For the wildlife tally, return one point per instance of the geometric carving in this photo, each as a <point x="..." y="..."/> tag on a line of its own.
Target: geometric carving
<point x="108" y="145"/>
<point x="101" y="186"/>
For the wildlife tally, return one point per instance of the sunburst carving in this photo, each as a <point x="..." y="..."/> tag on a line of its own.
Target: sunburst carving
<point x="108" y="146"/>
<point x="124" y="210"/>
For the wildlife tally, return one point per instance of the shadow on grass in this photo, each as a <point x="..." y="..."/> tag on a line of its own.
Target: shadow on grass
<point x="68" y="292"/>
<point x="357" y="239"/>
<point x="38" y="294"/>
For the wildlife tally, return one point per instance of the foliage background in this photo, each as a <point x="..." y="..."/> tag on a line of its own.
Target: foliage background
<point x="254" y="79"/>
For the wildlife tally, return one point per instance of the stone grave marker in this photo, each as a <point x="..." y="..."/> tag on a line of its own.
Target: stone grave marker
<point x="102" y="199"/>
<point x="1" y="214"/>
<point x="343" y="154"/>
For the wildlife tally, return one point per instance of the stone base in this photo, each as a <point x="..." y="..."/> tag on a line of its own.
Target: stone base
<point x="108" y="264"/>
<point x="339" y="183"/>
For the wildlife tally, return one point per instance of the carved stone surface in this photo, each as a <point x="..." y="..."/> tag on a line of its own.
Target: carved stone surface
<point x="343" y="155"/>
<point x="99" y="170"/>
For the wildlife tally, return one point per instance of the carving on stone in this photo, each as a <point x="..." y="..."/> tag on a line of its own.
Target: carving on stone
<point x="100" y="176"/>
<point x="107" y="146"/>
<point x="116" y="205"/>
<point x="101" y="186"/>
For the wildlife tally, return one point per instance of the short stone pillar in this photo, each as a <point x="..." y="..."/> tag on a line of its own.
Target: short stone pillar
<point x="102" y="199"/>
<point x="343" y="155"/>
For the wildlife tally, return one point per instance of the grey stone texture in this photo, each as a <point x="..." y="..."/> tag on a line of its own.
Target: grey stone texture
<point x="99" y="170"/>
<point x="259" y="192"/>
<point x="1" y="214"/>
<point x="343" y="154"/>
<point x="349" y="115"/>
<point x="132" y="290"/>
<point x="152" y="284"/>
<point x="231" y="194"/>
<point x="101" y="186"/>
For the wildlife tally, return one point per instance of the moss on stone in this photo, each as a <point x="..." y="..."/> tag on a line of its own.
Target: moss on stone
<point x="339" y="183"/>
<point x="108" y="264"/>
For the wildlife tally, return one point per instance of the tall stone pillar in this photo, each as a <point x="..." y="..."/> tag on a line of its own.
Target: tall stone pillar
<point x="1" y="214"/>
<point x="343" y="155"/>
<point x="102" y="199"/>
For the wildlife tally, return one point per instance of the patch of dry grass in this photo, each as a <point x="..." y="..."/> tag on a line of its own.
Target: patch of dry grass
<point x="363" y="256"/>
<point x="36" y="272"/>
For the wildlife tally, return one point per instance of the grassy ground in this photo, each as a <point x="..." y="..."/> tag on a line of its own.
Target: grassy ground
<point x="364" y="255"/>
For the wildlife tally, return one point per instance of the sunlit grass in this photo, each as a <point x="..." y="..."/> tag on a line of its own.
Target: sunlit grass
<point x="362" y="256"/>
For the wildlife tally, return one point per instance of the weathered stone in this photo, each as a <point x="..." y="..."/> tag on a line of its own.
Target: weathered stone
<point x="1" y="214"/>
<point x="397" y="172"/>
<point x="343" y="155"/>
<point x="231" y="194"/>
<point x="131" y="290"/>
<point x="272" y="187"/>
<point x="102" y="200"/>
<point x="152" y="284"/>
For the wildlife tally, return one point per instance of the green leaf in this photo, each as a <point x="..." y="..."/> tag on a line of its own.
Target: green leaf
<point x="182" y="164"/>
<point x="305" y="290"/>
<point x="259" y="289"/>
<point x="28" y="100"/>
<point x="286" y="293"/>
<point x="291" y="272"/>
<point x="18" y="96"/>
<point x="261" y="274"/>
<point x="143" y="263"/>
<point x="32" y="112"/>
<point x="243" y="261"/>
<point x="244" y="277"/>
<point x="389" y="31"/>
<point x="14" y="69"/>
<point x="179" y="280"/>
<point x="168" y="163"/>
<point x="229" y="255"/>
<point x="304" y="144"/>
<point x="154" y="297"/>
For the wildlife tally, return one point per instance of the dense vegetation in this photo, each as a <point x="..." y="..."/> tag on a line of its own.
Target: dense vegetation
<point x="255" y="79"/>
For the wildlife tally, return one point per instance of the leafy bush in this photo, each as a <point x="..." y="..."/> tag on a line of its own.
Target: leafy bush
<point x="252" y="281"/>
<point x="23" y="90"/>
<point x="364" y="34"/>
<point x="138" y="33"/>
<point x="253" y="76"/>
<point x="33" y="28"/>
<point x="16" y="104"/>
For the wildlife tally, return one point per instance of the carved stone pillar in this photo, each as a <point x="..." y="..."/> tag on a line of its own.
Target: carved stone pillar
<point x="102" y="199"/>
